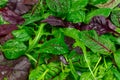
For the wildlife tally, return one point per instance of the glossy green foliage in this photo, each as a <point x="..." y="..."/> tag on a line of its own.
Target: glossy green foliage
<point x="14" y="49"/>
<point x="60" y="7"/>
<point x="115" y="17"/>
<point x="97" y="44"/>
<point x="21" y="35"/>
<point x="55" y="46"/>
<point x="76" y="16"/>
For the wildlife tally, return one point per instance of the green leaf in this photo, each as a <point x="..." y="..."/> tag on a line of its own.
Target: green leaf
<point x="78" y="4"/>
<point x="71" y="32"/>
<point x="116" y="73"/>
<point x="97" y="44"/>
<point x="14" y="49"/>
<point x="3" y="3"/>
<point x="59" y="6"/>
<point x="76" y="16"/>
<point x="21" y="35"/>
<point x="86" y="76"/>
<point x="115" y="17"/>
<point x="31" y="18"/>
<point x="73" y="71"/>
<point x="117" y="58"/>
<point x="98" y="12"/>
<point x="90" y="38"/>
<point x="54" y="46"/>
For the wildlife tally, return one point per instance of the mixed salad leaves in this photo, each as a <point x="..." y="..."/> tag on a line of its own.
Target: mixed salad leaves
<point x="59" y="39"/>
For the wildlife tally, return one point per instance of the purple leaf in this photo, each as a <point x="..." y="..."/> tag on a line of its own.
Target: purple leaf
<point x="15" y="8"/>
<point x="6" y="29"/>
<point x="69" y="41"/>
<point x="55" y="21"/>
<point x="101" y="25"/>
<point x="5" y="32"/>
<point x="6" y="38"/>
<point x="10" y="16"/>
<point x="21" y="6"/>
<point x="14" y="69"/>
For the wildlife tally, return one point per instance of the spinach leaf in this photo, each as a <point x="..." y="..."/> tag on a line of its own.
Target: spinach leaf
<point x="60" y="7"/>
<point x="115" y="17"/>
<point x="14" y="49"/>
<point x="76" y="16"/>
<point x="97" y="44"/>
<point x="3" y="3"/>
<point x="116" y="57"/>
<point x="54" y="46"/>
<point x="76" y="5"/>
<point x="21" y="35"/>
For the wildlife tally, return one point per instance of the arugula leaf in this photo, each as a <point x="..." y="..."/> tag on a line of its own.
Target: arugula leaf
<point x="54" y="46"/>
<point x="14" y="49"/>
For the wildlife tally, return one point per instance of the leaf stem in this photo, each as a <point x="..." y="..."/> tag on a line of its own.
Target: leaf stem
<point x="97" y="64"/>
<point x="36" y="39"/>
<point x="85" y="56"/>
<point x="33" y="43"/>
<point x="42" y="76"/>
